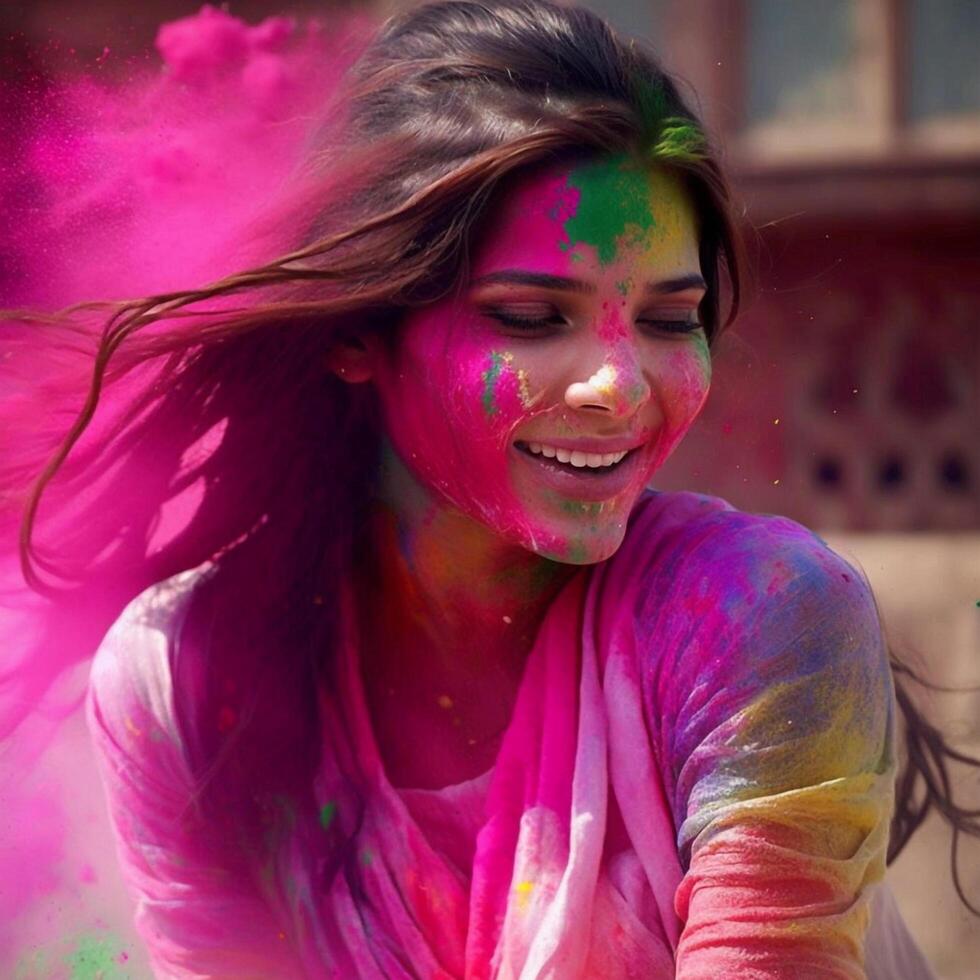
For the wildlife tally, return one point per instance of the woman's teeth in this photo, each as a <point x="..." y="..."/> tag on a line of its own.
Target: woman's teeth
<point x="574" y="457"/>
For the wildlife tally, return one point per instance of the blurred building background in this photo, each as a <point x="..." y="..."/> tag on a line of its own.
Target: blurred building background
<point x="847" y="395"/>
<point x="852" y="129"/>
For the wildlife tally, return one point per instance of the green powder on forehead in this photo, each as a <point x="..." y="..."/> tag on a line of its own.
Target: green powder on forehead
<point x="625" y="210"/>
<point x="613" y="207"/>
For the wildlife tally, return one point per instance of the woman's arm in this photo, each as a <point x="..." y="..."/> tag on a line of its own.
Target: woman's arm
<point x="196" y="908"/>
<point x="771" y="707"/>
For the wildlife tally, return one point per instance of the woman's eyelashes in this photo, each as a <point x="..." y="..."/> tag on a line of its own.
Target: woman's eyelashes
<point x="525" y="321"/>
<point x="685" y="323"/>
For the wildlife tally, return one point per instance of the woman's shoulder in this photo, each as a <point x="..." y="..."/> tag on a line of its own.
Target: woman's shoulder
<point x="132" y="667"/>
<point x="692" y="539"/>
<point x="672" y="514"/>
<point x="699" y="568"/>
<point x="733" y="609"/>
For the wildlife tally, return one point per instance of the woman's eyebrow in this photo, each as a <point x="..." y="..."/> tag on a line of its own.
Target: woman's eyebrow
<point x="545" y="280"/>
<point x="678" y="285"/>
<point x="521" y="277"/>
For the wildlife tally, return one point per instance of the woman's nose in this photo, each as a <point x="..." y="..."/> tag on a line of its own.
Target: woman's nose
<point x="612" y="390"/>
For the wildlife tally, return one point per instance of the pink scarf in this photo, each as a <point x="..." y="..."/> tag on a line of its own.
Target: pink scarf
<point x="542" y="900"/>
<point x="715" y="694"/>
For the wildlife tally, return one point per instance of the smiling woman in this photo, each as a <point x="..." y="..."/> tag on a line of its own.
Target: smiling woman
<point x="561" y="350"/>
<point x="524" y="414"/>
<point x="431" y="684"/>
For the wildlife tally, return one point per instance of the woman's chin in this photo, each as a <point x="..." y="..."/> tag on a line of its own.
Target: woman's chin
<point x="585" y="542"/>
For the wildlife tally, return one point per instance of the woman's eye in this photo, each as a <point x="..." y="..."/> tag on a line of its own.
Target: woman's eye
<point x="670" y="324"/>
<point x="526" y="321"/>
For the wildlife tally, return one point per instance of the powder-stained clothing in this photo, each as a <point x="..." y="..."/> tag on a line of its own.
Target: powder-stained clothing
<point x="696" y="781"/>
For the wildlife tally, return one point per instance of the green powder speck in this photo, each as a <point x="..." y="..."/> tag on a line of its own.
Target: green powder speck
<point x="96" y="957"/>
<point x="679" y="139"/>
<point x="582" y="508"/>
<point x="327" y="812"/>
<point x="490" y="376"/>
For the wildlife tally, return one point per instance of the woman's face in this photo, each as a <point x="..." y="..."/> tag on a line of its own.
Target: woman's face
<point x="540" y="400"/>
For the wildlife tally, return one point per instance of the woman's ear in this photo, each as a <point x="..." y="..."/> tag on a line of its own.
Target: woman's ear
<point x="352" y="357"/>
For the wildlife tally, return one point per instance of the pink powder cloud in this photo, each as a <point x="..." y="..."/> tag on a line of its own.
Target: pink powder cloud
<point x="121" y="189"/>
<point x="153" y="183"/>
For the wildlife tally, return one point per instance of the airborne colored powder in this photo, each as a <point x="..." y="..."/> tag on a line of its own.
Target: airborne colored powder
<point x="116" y="188"/>
<point x="142" y="185"/>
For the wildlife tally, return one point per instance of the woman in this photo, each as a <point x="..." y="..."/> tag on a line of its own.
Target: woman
<point x="430" y="685"/>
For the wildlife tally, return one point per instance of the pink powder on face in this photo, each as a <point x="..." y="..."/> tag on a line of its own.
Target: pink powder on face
<point x="463" y="389"/>
<point x="614" y="325"/>
<point x="540" y="208"/>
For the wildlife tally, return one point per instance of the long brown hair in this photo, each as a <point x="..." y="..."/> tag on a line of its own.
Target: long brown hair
<point x="446" y="103"/>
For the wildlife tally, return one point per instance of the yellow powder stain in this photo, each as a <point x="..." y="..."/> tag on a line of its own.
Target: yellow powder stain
<point x="604" y="380"/>
<point x="444" y="701"/>
<point x="131" y="728"/>
<point x="523" y="890"/>
<point x="523" y="388"/>
<point x="523" y="382"/>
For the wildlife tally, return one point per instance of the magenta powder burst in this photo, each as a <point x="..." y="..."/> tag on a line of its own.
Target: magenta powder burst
<point x="145" y="184"/>
<point x="116" y="188"/>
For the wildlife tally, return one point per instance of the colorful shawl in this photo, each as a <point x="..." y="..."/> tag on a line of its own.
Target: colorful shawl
<point x="696" y="781"/>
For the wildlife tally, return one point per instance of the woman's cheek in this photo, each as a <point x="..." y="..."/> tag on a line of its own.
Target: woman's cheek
<point x="483" y="398"/>
<point x="684" y="384"/>
<point x="505" y="392"/>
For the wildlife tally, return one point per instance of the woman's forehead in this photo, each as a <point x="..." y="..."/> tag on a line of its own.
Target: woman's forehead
<point x="600" y="212"/>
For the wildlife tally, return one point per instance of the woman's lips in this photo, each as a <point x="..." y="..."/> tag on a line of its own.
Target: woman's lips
<point x="582" y="482"/>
